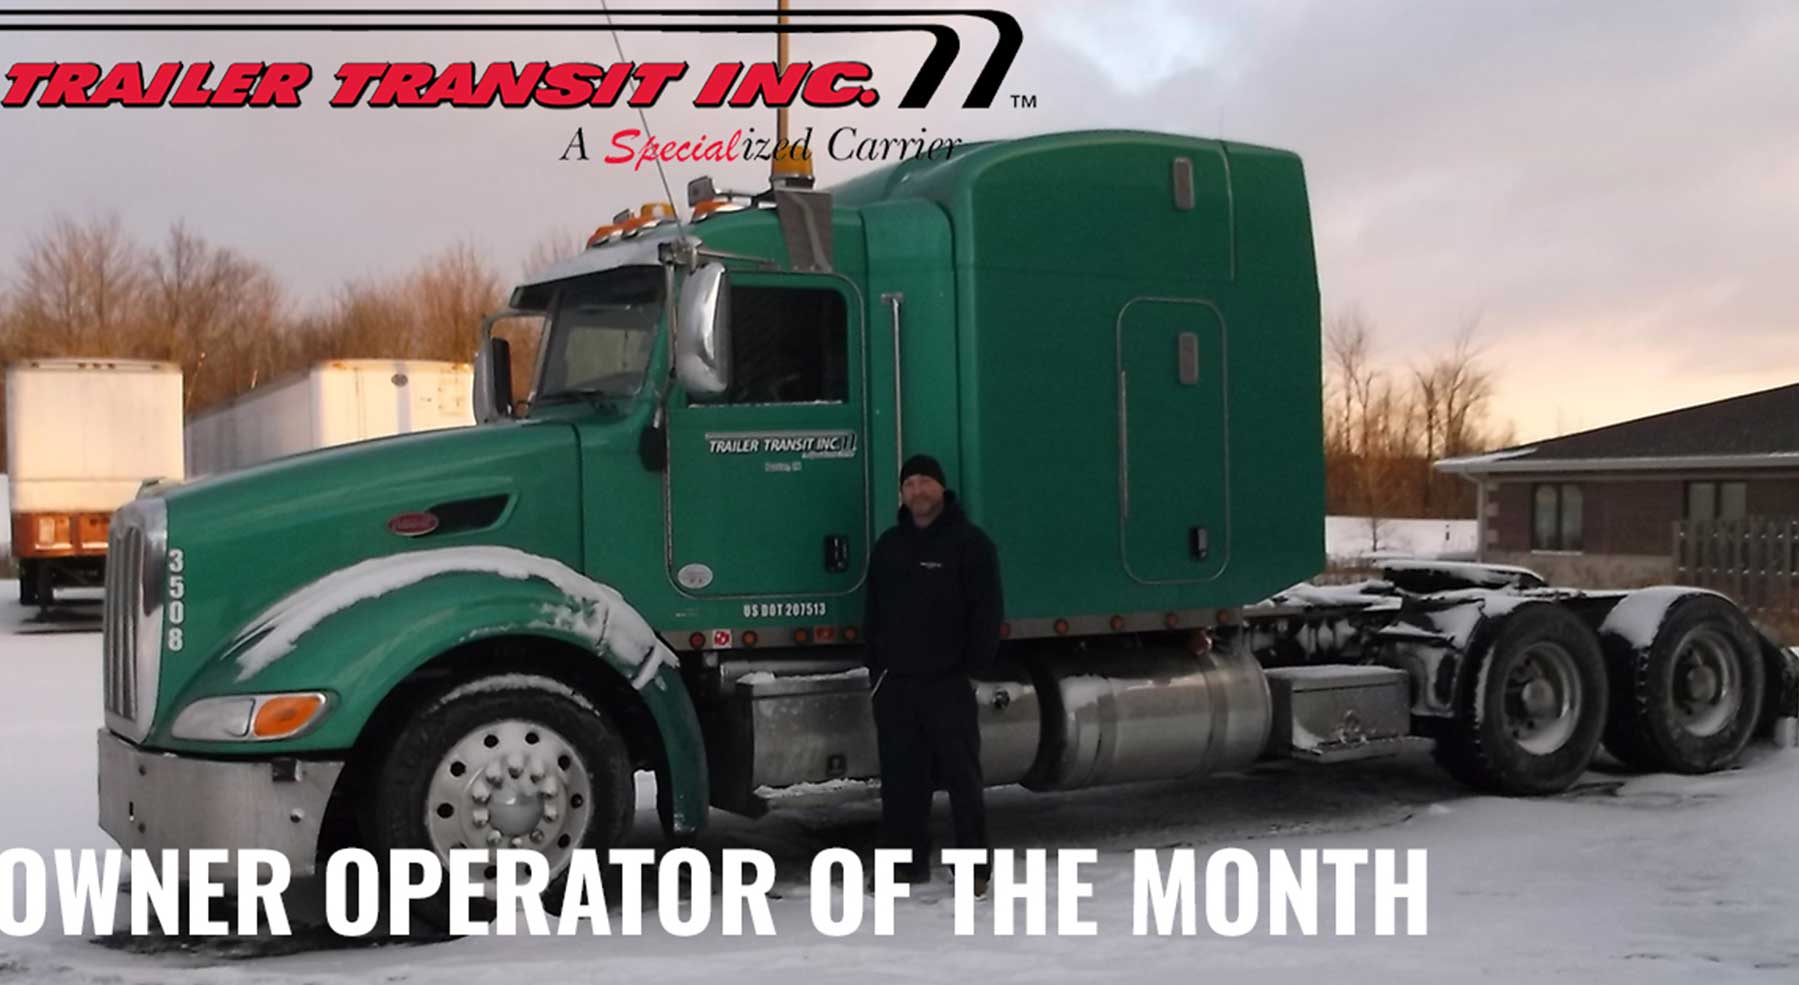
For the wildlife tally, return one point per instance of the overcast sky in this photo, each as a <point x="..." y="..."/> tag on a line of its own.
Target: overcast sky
<point x="1609" y="189"/>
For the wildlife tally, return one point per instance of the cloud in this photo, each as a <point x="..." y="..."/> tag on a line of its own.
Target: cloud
<point x="1140" y="45"/>
<point x="1612" y="185"/>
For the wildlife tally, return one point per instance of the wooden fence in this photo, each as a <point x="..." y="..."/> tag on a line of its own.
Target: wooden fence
<point x="1754" y="561"/>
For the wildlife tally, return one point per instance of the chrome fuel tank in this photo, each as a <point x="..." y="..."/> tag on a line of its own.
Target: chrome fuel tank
<point x="1147" y="714"/>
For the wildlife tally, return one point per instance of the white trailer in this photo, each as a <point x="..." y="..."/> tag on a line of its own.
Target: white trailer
<point x="81" y="436"/>
<point x="332" y="403"/>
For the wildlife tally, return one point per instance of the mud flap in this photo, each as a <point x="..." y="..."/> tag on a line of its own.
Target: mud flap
<point x="1780" y="709"/>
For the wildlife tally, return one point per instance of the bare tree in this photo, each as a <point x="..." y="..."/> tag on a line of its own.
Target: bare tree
<point x="1382" y="434"/>
<point x="213" y="311"/>
<point x="79" y="289"/>
<point x="550" y="247"/>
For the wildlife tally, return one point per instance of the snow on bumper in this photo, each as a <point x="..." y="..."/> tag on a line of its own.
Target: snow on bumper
<point x="157" y="800"/>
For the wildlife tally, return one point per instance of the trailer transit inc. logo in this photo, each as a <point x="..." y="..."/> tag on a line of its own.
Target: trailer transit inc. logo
<point x="566" y="85"/>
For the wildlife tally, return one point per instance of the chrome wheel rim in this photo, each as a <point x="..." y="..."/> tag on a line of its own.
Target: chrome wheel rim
<point x="1542" y="701"/>
<point x="509" y="784"/>
<point x="1707" y="691"/>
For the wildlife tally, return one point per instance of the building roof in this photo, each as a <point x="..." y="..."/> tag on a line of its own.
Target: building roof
<point x="1755" y="430"/>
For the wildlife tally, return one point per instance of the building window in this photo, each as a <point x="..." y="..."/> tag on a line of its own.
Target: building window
<point x="1556" y="518"/>
<point x="789" y="345"/>
<point x="1717" y="500"/>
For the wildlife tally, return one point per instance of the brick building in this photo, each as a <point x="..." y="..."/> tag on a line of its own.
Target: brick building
<point x="1599" y="507"/>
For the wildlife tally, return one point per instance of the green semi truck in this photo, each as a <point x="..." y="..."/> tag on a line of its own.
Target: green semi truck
<point x="474" y="638"/>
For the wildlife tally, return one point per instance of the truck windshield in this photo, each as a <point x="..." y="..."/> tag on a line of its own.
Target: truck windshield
<point x="601" y="331"/>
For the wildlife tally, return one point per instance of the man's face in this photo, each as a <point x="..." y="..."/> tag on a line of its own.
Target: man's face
<point x="923" y="496"/>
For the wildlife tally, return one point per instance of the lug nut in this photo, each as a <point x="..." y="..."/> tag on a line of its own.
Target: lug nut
<point x="518" y="842"/>
<point x="480" y="793"/>
<point x="494" y="838"/>
<point x="480" y="817"/>
<point x="537" y="836"/>
<point x="550" y="813"/>
<point x="493" y="773"/>
<point x="549" y="787"/>
<point x="515" y="765"/>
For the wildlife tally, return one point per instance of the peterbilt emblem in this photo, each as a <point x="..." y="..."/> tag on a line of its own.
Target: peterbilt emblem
<point x="694" y="576"/>
<point x="412" y="524"/>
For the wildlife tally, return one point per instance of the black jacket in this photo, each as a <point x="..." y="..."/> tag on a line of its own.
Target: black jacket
<point x="934" y="598"/>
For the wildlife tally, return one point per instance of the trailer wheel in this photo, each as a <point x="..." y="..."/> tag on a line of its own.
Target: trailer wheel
<point x="27" y="582"/>
<point x="1531" y="707"/>
<point x="1689" y="703"/>
<point x="504" y="762"/>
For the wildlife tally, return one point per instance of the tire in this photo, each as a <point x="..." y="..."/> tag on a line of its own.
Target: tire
<point x="441" y="761"/>
<point x="43" y="578"/>
<point x="27" y="583"/>
<point x="1530" y="707"/>
<point x="1690" y="702"/>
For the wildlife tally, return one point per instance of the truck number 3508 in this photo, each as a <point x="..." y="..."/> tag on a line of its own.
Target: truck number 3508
<point x="177" y="598"/>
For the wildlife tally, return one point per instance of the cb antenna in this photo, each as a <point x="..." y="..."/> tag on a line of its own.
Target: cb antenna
<point x="791" y="167"/>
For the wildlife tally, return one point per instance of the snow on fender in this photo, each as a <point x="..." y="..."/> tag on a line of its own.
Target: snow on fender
<point x="595" y="612"/>
<point x="1639" y="617"/>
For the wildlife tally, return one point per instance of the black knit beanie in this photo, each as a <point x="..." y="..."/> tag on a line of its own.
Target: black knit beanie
<point x="922" y="465"/>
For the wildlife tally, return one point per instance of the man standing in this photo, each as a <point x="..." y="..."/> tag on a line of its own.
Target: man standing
<point x="933" y="620"/>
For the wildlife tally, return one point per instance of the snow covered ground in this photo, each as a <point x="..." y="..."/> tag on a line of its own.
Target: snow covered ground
<point x="1355" y="538"/>
<point x="1625" y="879"/>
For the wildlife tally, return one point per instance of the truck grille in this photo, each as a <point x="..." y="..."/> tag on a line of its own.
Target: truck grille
<point x="131" y="630"/>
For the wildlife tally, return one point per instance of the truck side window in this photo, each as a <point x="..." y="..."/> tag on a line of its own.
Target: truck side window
<point x="789" y="345"/>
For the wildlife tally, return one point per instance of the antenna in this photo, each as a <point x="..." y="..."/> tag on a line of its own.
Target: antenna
<point x="791" y="167"/>
<point x="781" y="70"/>
<point x="668" y="194"/>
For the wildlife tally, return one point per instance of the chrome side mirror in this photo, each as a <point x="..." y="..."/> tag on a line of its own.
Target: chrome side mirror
<point x="703" y="335"/>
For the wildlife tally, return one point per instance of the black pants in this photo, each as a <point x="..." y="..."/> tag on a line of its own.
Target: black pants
<point x="930" y="738"/>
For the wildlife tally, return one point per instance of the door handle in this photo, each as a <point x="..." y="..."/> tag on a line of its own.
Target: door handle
<point x="837" y="553"/>
<point x="1199" y="543"/>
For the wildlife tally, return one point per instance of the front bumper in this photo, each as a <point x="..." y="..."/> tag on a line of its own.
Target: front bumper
<point x="155" y="800"/>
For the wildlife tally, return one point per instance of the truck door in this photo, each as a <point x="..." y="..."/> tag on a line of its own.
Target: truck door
<point x="1174" y="448"/>
<point x="768" y="488"/>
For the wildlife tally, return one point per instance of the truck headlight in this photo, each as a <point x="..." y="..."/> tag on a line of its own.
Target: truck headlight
<point x="250" y="717"/>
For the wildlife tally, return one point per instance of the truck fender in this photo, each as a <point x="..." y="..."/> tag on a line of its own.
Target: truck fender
<point x="359" y="632"/>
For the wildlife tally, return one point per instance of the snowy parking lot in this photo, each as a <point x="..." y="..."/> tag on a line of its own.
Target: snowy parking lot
<point x="1626" y="878"/>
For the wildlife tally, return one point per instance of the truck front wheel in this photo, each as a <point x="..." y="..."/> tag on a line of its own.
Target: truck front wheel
<point x="1531" y="706"/>
<point x="512" y="761"/>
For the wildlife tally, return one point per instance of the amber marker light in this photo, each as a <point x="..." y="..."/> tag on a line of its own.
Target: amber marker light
<point x="285" y="714"/>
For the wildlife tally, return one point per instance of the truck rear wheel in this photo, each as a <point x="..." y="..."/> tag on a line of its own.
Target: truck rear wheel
<point x="1531" y="706"/>
<point x="1689" y="702"/>
<point x="504" y="762"/>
